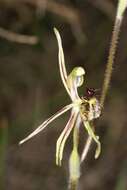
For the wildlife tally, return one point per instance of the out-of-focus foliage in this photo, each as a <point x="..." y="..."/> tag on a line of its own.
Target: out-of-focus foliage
<point x="30" y="91"/>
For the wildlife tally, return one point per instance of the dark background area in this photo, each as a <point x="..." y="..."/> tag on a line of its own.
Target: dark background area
<point x="31" y="91"/>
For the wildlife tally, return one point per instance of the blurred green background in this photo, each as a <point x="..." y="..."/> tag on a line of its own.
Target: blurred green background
<point x="31" y="90"/>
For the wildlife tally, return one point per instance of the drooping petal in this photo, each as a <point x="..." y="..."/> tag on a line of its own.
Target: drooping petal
<point x="94" y="137"/>
<point x="62" y="67"/>
<point x="63" y="137"/>
<point x="46" y="122"/>
<point x="86" y="148"/>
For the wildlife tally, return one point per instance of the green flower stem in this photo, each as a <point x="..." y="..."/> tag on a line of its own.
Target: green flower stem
<point x="74" y="164"/>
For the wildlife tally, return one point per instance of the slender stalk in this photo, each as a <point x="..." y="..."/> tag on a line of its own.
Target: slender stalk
<point x="74" y="162"/>
<point x="122" y="4"/>
<point x="73" y="186"/>
<point x="109" y="67"/>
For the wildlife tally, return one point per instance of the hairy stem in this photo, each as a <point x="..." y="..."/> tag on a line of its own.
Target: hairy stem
<point x="109" y="67"/>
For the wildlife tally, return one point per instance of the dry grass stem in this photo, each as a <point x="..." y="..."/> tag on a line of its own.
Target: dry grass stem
<point x="18" y="38"/>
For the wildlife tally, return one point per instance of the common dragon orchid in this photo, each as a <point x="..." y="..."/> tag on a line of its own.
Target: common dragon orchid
<point x="83" y="110"/>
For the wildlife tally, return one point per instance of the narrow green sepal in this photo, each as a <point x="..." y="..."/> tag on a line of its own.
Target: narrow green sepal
<point x="94" y="137"/>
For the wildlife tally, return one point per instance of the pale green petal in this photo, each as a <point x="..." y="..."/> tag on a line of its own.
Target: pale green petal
<point x="86" y="148"/>
<point x="62" y="67"/>
<point x="63" y="137"/>
<point x="46" y="122"/>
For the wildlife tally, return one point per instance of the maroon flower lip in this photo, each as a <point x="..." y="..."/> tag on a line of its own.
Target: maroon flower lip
<point x="91" y="92"/>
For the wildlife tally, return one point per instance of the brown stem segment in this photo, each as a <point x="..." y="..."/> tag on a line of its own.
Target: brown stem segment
<point x="109" y="67"/>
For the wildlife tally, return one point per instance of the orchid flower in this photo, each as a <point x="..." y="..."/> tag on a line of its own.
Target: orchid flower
<point x="83" y="110"/>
